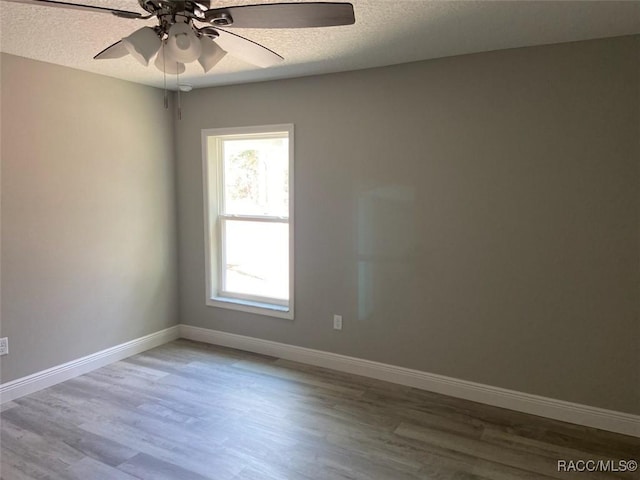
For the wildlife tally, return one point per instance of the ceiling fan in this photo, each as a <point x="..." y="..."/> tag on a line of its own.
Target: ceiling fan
<point x="190" y="30"/>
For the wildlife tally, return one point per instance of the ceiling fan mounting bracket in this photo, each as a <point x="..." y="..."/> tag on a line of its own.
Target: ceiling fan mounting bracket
<point x="130" y="15"/>
<point x="210" y="32"/>
<point x="221" y="19"/>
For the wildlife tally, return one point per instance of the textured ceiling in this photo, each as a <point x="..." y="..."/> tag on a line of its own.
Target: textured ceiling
<point x="386" y="32"/>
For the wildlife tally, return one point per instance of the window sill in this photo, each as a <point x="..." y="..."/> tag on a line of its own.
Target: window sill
<point x="259" y="308"/>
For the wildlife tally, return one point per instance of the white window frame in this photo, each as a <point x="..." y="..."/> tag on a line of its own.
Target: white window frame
<point x="214" y="220"/>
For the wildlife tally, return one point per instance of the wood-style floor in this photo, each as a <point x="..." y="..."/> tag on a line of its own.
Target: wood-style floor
<point x="189" y="411"/>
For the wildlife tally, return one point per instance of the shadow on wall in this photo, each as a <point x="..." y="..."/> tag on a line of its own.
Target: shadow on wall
<point x="386" y="244"/>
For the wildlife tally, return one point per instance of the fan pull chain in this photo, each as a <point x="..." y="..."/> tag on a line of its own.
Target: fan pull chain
<point x="164" y="77"/>
<point x="179" y="99"/>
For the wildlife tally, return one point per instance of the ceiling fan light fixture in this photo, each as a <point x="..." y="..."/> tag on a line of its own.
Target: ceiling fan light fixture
<point x="183" y="39"/>
<point x="142" y="44"/>
<point x="182" y="43"/>
<point x="169" y="66"/>
<point x="211" y="54"/>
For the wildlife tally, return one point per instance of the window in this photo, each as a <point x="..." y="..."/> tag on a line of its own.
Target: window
<point x="248" y="180"/>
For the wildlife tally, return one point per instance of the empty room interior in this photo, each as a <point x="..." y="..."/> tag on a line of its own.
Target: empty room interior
<point x="254" y="240"/>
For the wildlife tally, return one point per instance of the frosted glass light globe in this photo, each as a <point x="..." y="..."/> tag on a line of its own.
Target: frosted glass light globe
<point x="183" y="44"/>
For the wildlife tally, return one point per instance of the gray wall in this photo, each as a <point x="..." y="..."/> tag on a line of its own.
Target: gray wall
<point x="475" y="216"/>
<point x="88" y="215"/>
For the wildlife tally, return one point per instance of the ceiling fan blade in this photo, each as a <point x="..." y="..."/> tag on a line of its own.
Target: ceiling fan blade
<point x="76" y="6"/>
<point x="247" y="50"/>
<point x="283" y="15"/>
<point x="116" y="50"/>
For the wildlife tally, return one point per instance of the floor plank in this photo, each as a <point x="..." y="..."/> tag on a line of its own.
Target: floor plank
<point x="190" y="411"/>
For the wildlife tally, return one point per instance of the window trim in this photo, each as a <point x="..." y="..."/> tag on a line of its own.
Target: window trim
<point x="212" y="177"/>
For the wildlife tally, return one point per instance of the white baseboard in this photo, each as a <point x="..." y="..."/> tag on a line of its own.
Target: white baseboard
<point x="51" y="376"/>
<point x="619" y="422"/>
<point x="601" y="418"/>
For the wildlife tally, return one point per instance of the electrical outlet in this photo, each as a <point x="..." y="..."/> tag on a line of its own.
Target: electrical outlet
<point x="4" y="345"/>
<point x="337" y="322"/>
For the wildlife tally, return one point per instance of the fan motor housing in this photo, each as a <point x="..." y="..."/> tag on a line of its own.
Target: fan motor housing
<point x="187" y="8"/>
